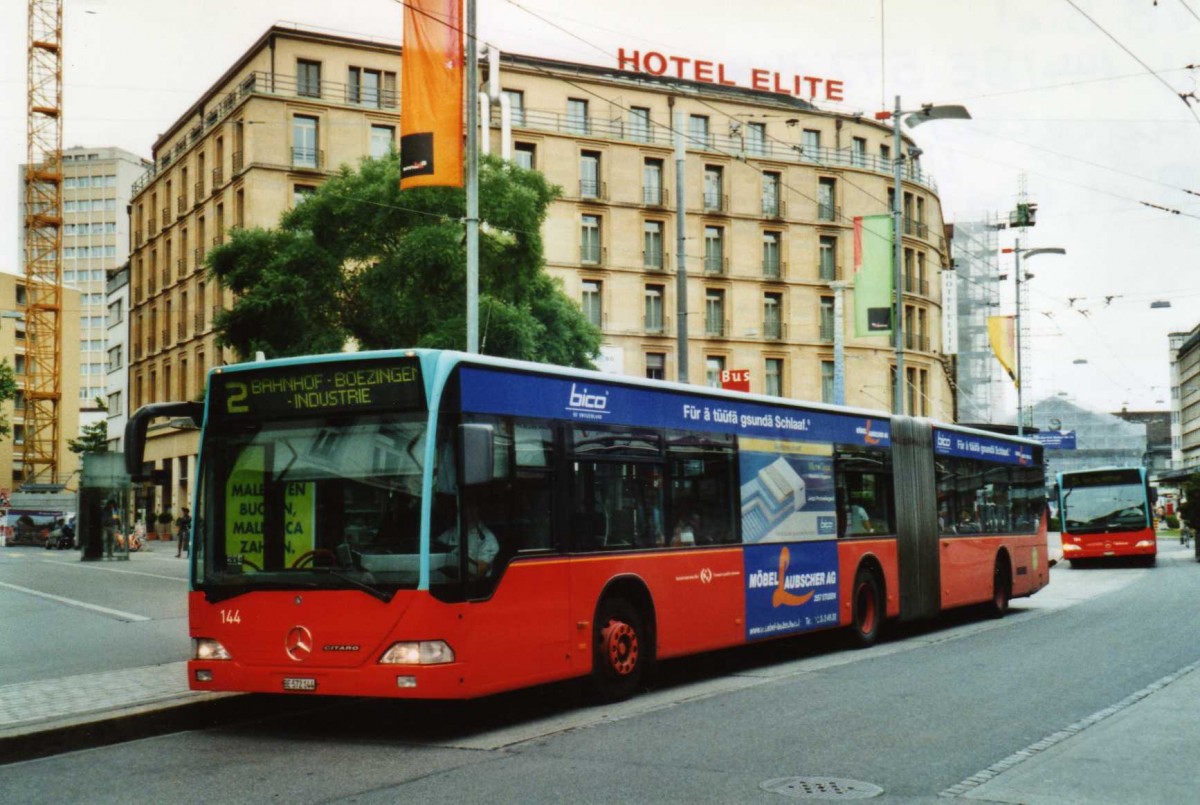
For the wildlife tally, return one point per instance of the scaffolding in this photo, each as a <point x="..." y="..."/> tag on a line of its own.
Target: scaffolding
<point x="975" y="249"/>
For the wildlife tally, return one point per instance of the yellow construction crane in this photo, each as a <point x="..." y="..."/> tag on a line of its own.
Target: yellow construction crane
<point x="43" y="245"/>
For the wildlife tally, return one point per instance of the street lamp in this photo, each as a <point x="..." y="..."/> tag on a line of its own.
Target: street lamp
<point x="1017" y="251"/>
<point x="912" y="118"/>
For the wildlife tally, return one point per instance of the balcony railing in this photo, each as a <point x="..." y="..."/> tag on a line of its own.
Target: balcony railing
<point x="181" y="331"/>
<point x="138" y="294"/>
<point x="916" y="341"/>
<point x="278" y="85"/>
<point x="151" y="226"/>
<point x="915" y="228"/>
<point x="828" y="272"/>
<point x="153" y="289"/>
<point x="656" y="260"/>
<point x="774" y="209"/>
<point x="716" y="202"/>
<point x="593" y="255"/>
<point x="655" y="196"/>
<point x="915" y="285"/>
<point x="181" y="267"/>
<point x="198" y="321"/>
<point x="828" y="212"/>
<point x="656" y="324"/>
<point x="138" y="238"/>
<point x="218" y="177"/>
<point x="774" y="269"/>
<point x="166" y="334"/>
<point x="308" y="158"/>
<point x="198" y="255"/>
<point x="826" y="333"/>
<point x="591" y="188"/>
<point x="774" y="330"/>
<point x="716" y="328"/>
<point x="181" y="203"/>
<point x="199" y="191"/>
<point x="166" y="214"/>
<point x="716" y="265"/>
<point x="218" y="239"/>
<point x="151" y="343"/>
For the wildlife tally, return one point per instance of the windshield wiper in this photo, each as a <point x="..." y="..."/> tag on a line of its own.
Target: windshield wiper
<point x="382" y="595"/>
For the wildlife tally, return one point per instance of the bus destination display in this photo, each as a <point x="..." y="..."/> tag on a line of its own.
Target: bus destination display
<point x="315" y="389"/>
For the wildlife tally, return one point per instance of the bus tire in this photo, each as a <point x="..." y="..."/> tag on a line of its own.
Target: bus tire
<point x="867" y="608"/>
<point x="1001" y="589"/>
<point x="620" y="653"/>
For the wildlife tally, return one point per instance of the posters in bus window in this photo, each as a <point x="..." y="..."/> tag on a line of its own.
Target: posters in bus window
<point x="787" y="491"/>
<point x="790" y="588"/>
<point x="244" y="509"/>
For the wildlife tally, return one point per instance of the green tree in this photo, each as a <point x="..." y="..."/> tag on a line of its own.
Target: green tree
<point x="8" y="390"/>
<point x="93" y="438"/>
<point x="360" y="259"/>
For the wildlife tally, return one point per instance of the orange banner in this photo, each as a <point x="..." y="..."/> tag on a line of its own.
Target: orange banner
<point x="431" y="95"/>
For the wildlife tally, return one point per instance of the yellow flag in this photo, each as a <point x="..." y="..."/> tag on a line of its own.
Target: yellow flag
<point x="1002" y="333"/>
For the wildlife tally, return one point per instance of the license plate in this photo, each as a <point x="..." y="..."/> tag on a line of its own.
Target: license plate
<point x="299" y="683"/>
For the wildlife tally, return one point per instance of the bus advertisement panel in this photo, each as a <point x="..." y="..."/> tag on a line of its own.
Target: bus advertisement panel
<point x="1107" y="513"/>
<point x="430" y="524"/>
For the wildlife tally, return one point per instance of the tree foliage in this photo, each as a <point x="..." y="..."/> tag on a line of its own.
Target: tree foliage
<point x="93" y="438"/>
<point x="8" y="390"/>
<point x="359" y="259"/>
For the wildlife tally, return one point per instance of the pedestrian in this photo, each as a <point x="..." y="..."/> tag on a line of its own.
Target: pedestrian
<point x="110" y="521"/>
<point x="183" y="528"/>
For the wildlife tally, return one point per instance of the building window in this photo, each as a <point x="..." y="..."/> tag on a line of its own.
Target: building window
<point x="300" y="192"/>
<point x="714" y="367"/>
<point x="115" y="312"/>
<point x="639" y="124"/>
<point x="714" y="188"/>
<point x="827" y="381"/>
<point x="652" y="183"/>
<point x="656" y="366"/>
<point x="826" y="193"/>
<point x="308" y="78"/>
<point x="771" y="206"/>
<point x="577" y="116"/>
<point x="114" y="404"/>
<point x="589" y="240"/>
<point x="589" y="174"/>
<point x="525" y="155"/>
<point x="773" y="377"/>
<point x="826" y="318"/>
<point x="810" y="144"/>
<point x="827" y="258"/>
<point x="771" y="263"/>
<point x="858" y="151"/>
<point x="714" y="312"/>
<point x="714" y="250"/>
<point x="383" y="139"/>
<point x="593" y="309"/>
<point x="652" y="244"/>
<point x="516" y="105"/>
<point x="371" y="87"/>
<point x="304" y="142"/>
<point x="698" y="132"/>
<point x="885" y="153"/>
<point x="756" y="138"/>
<point x="114" y="358"/>
<point x="773" y="316"/>
<point x="654" y="320"/>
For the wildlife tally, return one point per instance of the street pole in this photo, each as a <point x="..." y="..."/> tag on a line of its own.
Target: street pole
<point x="897" y="255"/>
<point x="472" y="184"/>
<point x="1017" y="322"/>
<point x="681" y="288"/>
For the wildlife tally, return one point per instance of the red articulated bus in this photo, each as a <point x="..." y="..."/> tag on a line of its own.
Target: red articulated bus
<point x="430" y="524"/>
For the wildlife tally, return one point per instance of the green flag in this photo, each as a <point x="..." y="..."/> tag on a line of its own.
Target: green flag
<point x="873" y="275"/>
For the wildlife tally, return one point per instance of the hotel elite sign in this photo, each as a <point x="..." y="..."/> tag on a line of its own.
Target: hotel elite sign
<point x="651" y="62"/>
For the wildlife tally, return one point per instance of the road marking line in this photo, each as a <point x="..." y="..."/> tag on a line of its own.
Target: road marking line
<point x="996" y="769"/>
<point x="115" y="570"/>
<point x="71" y="602"/>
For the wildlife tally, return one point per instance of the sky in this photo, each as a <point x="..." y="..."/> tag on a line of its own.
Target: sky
<point x="1075" y="103"/>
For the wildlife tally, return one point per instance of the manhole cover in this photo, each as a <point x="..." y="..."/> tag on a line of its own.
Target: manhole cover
<point x="820" y="788"/>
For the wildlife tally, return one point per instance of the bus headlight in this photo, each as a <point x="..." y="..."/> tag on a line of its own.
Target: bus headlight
<point x="423" y="652"/>
<point x="205" y="648"/>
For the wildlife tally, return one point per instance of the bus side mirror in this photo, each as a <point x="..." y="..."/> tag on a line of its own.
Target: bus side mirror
<point x="139" y="422"/>
<point x="476" y="448"/>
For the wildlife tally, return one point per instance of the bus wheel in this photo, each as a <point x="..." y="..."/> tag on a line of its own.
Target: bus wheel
<point x="620" y="655"/>
<point x="868" y="608"/>
<point x="1001" y="589"/>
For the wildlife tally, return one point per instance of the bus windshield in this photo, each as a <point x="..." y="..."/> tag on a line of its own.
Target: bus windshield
<point x="1114" y="505"/>
<point x="315" y="503"/>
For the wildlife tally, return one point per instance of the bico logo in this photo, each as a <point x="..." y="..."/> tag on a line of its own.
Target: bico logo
<point x="581" y="400"/>
<point x="943" y="441"/>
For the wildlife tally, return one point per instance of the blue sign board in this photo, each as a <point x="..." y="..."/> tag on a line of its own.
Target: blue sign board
<point x="548" y="397"/>
<point x="1056" y="439"/>
<point x="790" y="588"/>
<point x="984" y="448"/>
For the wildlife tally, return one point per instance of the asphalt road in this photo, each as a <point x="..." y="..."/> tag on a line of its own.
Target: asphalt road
<point x="914" y="716"/>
